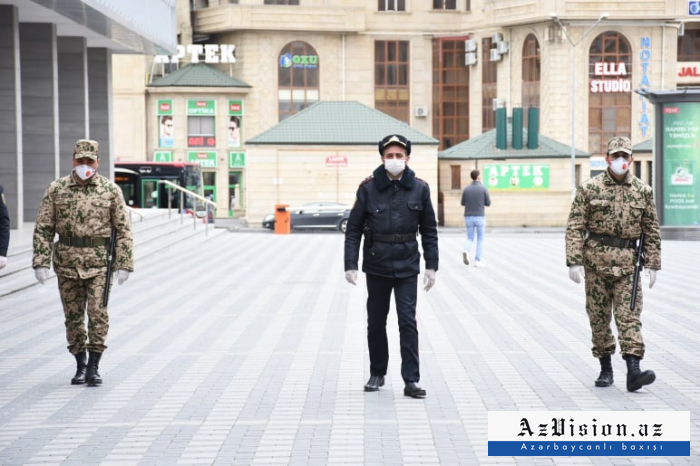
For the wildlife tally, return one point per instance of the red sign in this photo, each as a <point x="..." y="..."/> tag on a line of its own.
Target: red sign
<point x="202" y="103"/>
<point x="165" y="107"/>
<point x="672" y="110"/>
<point x="201" y="141"/>
<point x="235" y="107"/>
<point x="336" y="161"/>
<point x="689" y="71"/>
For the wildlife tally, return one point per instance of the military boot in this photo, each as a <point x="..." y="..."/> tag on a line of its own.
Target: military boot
<point x="636" y="379"/>
<point x="93" y="377"/>
<point x="605" y="379"/>
<point x="81" y="361"/>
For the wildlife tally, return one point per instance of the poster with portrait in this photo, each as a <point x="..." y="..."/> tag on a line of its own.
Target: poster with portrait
<point x="235" y="119"/>
<point x="166" y="129"/>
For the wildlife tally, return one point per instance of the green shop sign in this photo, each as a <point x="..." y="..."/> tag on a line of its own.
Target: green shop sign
<point x="681" y="162"/>
<point x="165" y="107"/>
<point x="163" y="156"/>
<point x="235" y="107"/>
<point x="201" y="107"/>
<point x="516" y="176"/>
<point x="207" y="159"/>
<point x="236" y="159"/>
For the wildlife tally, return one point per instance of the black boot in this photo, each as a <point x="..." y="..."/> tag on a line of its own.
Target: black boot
<point x="81" y="360"/>
<point x="636" y="379"/>
<point x="605" y="379"/>
<point x="93" y="377"/>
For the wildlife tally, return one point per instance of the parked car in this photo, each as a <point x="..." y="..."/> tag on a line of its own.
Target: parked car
<point x="322" y="215"/>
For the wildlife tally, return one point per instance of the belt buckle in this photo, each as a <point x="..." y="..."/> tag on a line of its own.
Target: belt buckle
<point x="397" y="238"/>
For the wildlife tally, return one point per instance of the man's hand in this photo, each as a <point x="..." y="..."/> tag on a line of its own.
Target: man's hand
<point x="351" y="276"/>
<point x="3" y="261"/>
<point x="428" y="279"/>
<point x="122" y="275"/>
<point x="652" y="277"/>
<point x="576" y="273"/>
<point x="41" y="274"/>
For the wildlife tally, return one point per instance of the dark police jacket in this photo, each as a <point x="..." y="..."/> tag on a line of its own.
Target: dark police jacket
<point x="385" y="208"/>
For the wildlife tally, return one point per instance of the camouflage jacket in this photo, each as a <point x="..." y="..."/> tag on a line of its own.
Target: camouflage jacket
<point x="82" y="211"/>
<point x="623" y="210"/>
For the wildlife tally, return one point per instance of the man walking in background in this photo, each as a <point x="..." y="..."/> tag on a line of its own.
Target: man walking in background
<point x="475" y="199"/>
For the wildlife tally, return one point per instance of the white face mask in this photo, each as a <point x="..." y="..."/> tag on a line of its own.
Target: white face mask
<point x="84" y="172"/>
<point x="394" y="166"/>
<point x="620" y="166"/>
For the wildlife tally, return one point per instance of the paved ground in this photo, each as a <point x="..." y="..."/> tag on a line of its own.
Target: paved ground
<point x="250" y="349"/>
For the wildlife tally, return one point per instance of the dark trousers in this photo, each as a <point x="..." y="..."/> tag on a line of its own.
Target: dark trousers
<point x="378" y="302"/>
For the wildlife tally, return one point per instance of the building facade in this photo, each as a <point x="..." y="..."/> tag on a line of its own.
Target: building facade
<point x="443" y="67"/>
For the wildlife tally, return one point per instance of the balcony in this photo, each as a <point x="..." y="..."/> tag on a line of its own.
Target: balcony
<point x="226" y="18"/>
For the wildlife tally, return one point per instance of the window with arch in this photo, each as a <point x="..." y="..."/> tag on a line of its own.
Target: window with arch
<point x="489" y="88"/>
<point x="531" y="75"/>
<point x="298" y="78"/>
<point x="609" y="97"/>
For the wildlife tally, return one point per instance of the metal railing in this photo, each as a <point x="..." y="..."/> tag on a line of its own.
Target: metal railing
<point x="209" y="204"/>
<point x="131" y="211"/>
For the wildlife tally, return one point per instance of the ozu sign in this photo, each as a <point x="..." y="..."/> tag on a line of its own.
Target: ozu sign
<point x="288" y="60"/>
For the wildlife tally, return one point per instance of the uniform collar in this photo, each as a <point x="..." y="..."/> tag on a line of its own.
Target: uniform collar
<point x="382" y="180"/>
<point x="609" y="179"/>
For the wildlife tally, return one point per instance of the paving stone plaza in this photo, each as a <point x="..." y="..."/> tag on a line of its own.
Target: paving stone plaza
<point x="250" y="348"/>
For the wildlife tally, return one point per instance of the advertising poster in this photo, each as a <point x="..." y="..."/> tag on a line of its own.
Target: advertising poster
<point x="166" y="134"/>
<point x="681" y="161"/>
<point x="235" y="119"/>
<point x="516" y="176"/>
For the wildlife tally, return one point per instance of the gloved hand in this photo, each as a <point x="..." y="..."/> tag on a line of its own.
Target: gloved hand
<point x="351" y="276"/>
<point x="652" y="277"/>
<point x="3" y="261"/>
<point x="428" y="279"/>
<point x="576" y="272"/>
<point x="41" y="274"/>
<point x="122" y="275"/>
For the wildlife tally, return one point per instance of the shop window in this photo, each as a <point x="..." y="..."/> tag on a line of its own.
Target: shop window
<point x="456" y="171"/>
<point x="531" y="75"/>
<point x="391" y="87"/>
<point x="450" y="92"/>
<point x="489" y="77"/>
<point x="689" y="45"/>
<point x="444" y="4"/>
<point x="609" y="99"/>
<point x="392" y="5"/>
<point x="200" y="131"/>
<point x="298" y="78"/>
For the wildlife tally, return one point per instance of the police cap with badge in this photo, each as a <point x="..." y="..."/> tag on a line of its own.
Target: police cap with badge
<point x="395" y="139"/>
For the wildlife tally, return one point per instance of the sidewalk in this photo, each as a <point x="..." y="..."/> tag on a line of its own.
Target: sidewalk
<point x="251" y="349"/>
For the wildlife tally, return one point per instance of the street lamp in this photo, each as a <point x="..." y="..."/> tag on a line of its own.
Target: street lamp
<point x="555" y="17"/>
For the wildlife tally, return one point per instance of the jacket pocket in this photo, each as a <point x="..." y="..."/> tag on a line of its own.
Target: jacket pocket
<point x="415" y="206"/>
<point x="376" y="209"/>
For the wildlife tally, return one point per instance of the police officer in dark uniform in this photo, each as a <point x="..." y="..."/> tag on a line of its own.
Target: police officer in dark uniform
<point x="392" y="205"/>
<point x="4" y="229"/>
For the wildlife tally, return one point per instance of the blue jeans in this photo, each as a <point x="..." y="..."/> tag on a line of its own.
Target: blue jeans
<point x="475" y="224"/>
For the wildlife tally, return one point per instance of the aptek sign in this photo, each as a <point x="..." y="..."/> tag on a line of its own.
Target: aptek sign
<point x="213" y="53"/>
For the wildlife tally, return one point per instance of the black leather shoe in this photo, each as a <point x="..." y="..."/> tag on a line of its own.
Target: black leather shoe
<point x="374" y="383"/>
<point x="413" y="390"/>
<point x="81" y="369"/>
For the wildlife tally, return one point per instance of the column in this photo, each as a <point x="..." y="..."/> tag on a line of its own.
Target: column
<point x="73" y="108"/>
<point x="100" y="98"/>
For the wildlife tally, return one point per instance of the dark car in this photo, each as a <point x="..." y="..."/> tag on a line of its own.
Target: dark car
<point x="323" y="215"/>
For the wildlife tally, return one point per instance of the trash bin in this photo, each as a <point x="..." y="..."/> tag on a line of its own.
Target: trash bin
<point x="283" y="223"/>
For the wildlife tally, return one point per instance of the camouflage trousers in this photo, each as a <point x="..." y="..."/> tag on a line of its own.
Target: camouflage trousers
<point x="607" y="296"/>
<point x="78" y="297"/>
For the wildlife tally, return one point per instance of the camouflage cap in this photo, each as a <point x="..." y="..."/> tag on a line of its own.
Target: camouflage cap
<point x="620" y="144"/>
<point x="86" y="148"/>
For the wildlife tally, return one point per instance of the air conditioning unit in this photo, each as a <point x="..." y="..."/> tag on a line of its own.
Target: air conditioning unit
<point x="470" y="45"/>
<point x="470" y="58"/>
<point x="495" y="56"/>
<point x="420" y="111"/>
<point x="497" y="103"/>
<point x="502" y="47"/>
<point x="497" y="37"/>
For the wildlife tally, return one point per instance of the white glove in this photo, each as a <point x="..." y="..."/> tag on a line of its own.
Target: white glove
<point x="576" y="272"/>
<point x="428" y="279"/>
<point x="351" y="276"/>
<point x="41" y="274"/>
<point x="3" y="261"/>
<point x="652" y="277"/>
<point x="122" y="275"/>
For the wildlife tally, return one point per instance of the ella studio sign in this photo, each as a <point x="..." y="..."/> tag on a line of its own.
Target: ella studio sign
<point x="213" y="53"/>
<point x="610" y="77"/>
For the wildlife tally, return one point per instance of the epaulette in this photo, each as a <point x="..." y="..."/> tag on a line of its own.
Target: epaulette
<point x="420" y="179"/>
<point x="367" y="180"/>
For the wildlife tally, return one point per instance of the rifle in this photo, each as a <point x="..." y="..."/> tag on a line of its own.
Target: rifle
<point x="110" y="263"/>
<point x="638" y="266"/>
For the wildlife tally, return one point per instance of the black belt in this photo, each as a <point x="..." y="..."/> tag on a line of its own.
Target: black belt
<point x="397" y="238"/>
<point x="83" y="242"/>
<point x="623" y="243"/>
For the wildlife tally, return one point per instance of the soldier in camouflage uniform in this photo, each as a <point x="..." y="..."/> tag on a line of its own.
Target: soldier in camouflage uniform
<point x="608" y="214"/>
<point x="82" y="208"/>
